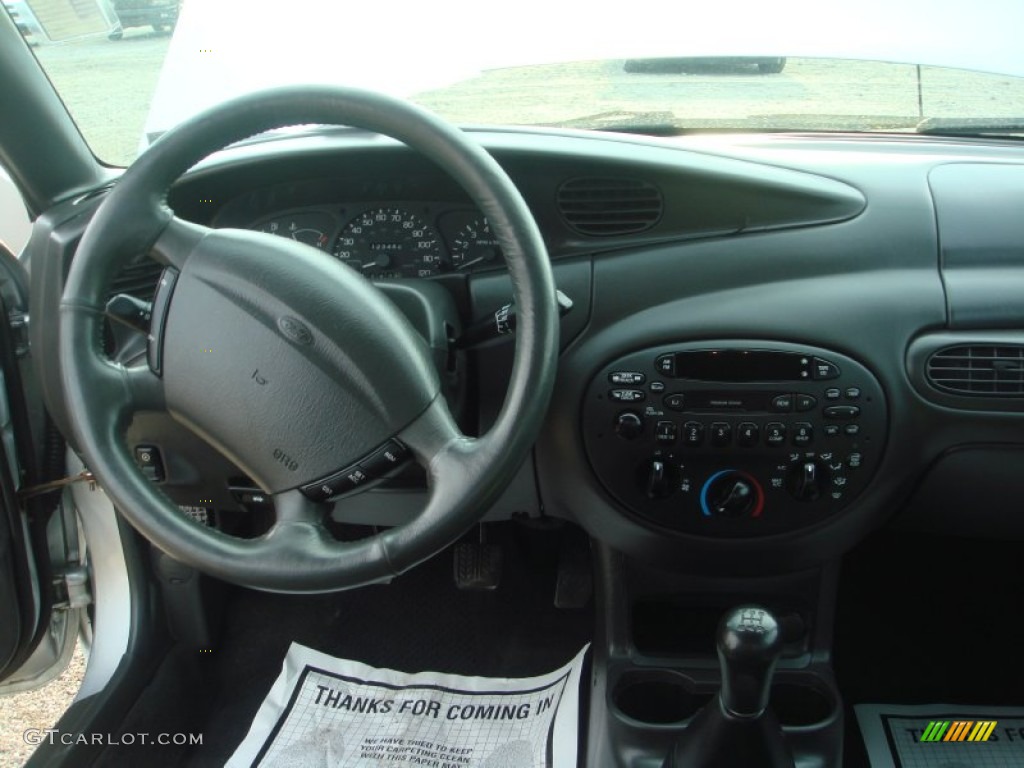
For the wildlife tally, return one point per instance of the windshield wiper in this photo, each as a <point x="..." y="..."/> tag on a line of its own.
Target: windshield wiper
<point x="665" y="123"/>
<point x="971" y="126"/>
<point x="655" y="123"/>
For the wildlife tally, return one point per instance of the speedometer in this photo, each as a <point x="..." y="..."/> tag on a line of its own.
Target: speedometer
<point x="390" y="242"/>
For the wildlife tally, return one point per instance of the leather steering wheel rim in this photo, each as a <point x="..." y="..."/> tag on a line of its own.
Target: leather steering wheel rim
<point x="465" y="474"/>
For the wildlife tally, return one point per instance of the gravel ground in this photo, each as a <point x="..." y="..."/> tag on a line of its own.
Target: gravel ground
<point x="36" y="709"/>
<point x="107" y="86"/>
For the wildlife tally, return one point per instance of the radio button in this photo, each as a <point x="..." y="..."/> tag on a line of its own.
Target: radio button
<point x="666" y="365"/>
<point x="803" y="433"/>
<point x="657" y="387"/>
<point x="747" y="434"/>
<point x="674" y="402"/>
<point x="666" y="432"/>
<point x="721" y="433"/>
<point x="805" y="403"/>
<point x="782" y="403"/>
<point x="627" y="395"/>
<point x="823" y="369"/>
<point x="852" y="430"/>
<point x="693" y="433"/>
<point x="841" y="412"/>
<point x="853" y="393"/>
<point x="831" y="430"/>
<point x="627" y="378"/>
<point x="853" y="461"/>
<point x="832" y="393"/>
<point x="775" y="433"/>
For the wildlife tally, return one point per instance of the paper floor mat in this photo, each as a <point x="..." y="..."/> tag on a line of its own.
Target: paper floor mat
<point x="326" y="712"/>
<point x="942" y="736"/>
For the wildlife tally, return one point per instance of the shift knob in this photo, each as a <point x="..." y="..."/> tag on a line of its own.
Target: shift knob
<point x="749" y="645"/>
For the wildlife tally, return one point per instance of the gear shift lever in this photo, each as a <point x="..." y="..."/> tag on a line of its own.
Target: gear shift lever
<point x="736" y="728"/>
<point x="749" y="645"/>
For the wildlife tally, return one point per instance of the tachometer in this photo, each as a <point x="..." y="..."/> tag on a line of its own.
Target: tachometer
<point x="471" y="242"/>
<point x="390" y="242"/>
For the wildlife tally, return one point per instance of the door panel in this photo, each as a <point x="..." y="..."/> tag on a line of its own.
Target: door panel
<point x="26" y="583"/>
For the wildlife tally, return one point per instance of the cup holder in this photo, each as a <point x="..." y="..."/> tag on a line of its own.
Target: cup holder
<point x="664" y="698"/>
<point x="657" y="699"/>
<point x="799" y="705"/>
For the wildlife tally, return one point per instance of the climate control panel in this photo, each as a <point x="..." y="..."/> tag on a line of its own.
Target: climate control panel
<point x="734" y="438"/>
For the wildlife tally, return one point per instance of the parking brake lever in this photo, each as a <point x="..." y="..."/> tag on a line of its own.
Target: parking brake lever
<point x="501" y="325"/>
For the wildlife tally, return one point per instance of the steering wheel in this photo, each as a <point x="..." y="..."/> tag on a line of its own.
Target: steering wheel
<point x="290" y="363"/>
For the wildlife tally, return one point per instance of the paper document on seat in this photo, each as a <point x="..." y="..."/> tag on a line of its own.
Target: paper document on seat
<point x="324" y="711"/>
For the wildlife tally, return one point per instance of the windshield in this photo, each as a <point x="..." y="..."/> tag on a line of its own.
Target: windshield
<point x="149" y="64"/>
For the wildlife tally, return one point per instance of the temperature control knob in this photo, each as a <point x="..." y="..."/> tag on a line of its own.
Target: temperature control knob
<point x="806" y="480"/>
<point x="731" y="493"/>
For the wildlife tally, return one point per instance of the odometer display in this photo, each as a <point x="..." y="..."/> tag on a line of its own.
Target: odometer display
<point x="390" y="242"/>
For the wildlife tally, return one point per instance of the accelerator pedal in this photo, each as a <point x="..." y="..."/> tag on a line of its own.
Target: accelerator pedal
<point x="575" y="582"/>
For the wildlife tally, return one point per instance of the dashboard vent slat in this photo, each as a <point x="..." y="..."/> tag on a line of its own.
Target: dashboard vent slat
<point x="604" y="207"/>
<point x="138" y="280"/>
<point x="979" y="370"/>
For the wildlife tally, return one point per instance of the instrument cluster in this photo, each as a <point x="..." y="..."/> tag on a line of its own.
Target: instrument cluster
<point x="383" y="240"/>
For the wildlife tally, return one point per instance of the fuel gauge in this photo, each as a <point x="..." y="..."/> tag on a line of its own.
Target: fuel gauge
<point x="310" y="227"/>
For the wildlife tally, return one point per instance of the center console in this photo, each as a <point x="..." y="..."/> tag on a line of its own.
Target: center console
<point x="703" y="449"/>
<point x="734" y="438"/>
<point x="658" y="668"/>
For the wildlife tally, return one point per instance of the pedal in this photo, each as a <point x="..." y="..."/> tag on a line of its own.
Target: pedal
<point x="478" y="566"/>
<point x="574" y="584"/>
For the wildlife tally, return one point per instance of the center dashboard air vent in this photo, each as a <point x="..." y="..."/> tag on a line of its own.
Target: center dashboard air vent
<point x="978" y="370"/>
<point x="606" y="207"/>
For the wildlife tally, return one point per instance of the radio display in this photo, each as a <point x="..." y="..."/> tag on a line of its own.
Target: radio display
<point x="741" y="365"/>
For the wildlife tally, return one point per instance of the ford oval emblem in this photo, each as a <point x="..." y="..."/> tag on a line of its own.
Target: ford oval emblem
<point x="295" y="330"/>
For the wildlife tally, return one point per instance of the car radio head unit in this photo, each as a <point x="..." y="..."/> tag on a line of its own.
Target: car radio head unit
<point x="734" y="438"/>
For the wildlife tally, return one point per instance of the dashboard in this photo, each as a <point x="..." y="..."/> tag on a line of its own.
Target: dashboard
<point x="777" y="343"/>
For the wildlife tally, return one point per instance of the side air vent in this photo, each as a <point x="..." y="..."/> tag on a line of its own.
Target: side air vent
<point x="978" y="370"/>
<point x="605" y="207"/>
<point x="138" y="279"/>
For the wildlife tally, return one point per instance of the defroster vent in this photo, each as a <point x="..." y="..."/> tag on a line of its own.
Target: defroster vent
<point x="605" y="207"/>
<point x="979" y="370"/>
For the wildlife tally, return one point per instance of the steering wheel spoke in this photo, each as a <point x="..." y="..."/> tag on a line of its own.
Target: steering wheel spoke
<point x="432" y="436"/>
<point x="175" y="244"/>
<point x="292" y="507"/>
<point x="144" y="388"/>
